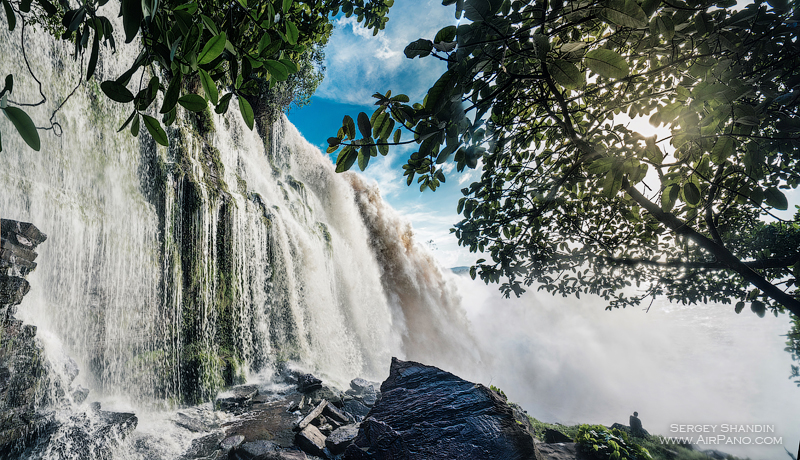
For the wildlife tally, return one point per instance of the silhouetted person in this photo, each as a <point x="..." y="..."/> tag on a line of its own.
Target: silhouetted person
<point x="636" y="426"/>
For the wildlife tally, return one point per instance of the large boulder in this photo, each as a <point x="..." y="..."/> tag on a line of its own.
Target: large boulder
<point x="425" y="412"/>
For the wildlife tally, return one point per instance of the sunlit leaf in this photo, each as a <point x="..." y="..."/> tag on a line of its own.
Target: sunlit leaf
<point x="607" y="63"/>
<point x="567" y="74"/>
<point x="212" y="49"/>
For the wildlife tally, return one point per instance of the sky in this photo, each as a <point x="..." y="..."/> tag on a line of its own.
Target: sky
<point x="675" y="365"/>
<point x="359" y="65"/>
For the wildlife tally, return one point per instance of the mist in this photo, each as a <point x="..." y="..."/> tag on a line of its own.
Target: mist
<point x="570" y="361"/>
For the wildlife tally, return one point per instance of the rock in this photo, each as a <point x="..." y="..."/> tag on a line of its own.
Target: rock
<point x="359" y="384"/>
<point x="205" y="448"/>
<point x="341" y="437"/>
<point x="12" y="290"/>
<point x="559" y="451"/>
<point x="554" y="436"/>
<point x="236" y="397"/>
<point x="378" y="441"/>
<point x="94" y="406"/>
<point x="316" y="412"/>
<point x="356" y="408"/>
<point x="311" y="441"/>
<point x="327" y="393"/>
<point x="231" y="442"/>
<point x="336" y="415"/>
<point x="308" y="383"/>
<point x="257" y="450"/>
<point x="521" y="416"/>
<point x="24" y="385"/>
<point x="267" y="421"/>
<point x="425" y="412"/>
<point x="369" y="398"/>
<point x="80" y="394"/>
<point x="190" y="423"/>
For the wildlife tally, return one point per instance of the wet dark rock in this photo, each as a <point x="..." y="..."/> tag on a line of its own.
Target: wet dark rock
<point x="190" y="423"/>
<point x="311" y="416"/>
<point x="559" y="451"/>
<point x="335" y="415"/>
<point x="340" y="438"/>
<point x="554" y="436"/>
<point x="332" y="395"/>
<point x="24" y="383"/>
<point x="80" y="394"/>
<point x="205" y="448"/>
<point x="267" y="421"/>
<point x="376" y="440"/>
<point x="18" y="240"/>
<point x="265" y="450"/>
<point x="356" y="408"/>
<point x="311" y="440"/>
<point x="425" y="412"/>
<point x="308" y="383"/>
<point x="231" y="442"/>
<point x="369" y="397"/>
<point x="236" y="397"/>
<point x="359" y="384"/>
<point x="12" y="290"/>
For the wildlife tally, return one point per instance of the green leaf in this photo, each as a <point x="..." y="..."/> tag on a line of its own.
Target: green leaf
<point x="364" y="125"/>
<point x="292" y="34"/>
<point x="567" y="74"/>
<point x="132" y="15"/>
<point x="135" y="126"/>
<point x="447" y="34"/>
<point x="626" y="13"/>
<point x="349" y="126"/>
<point x="739" y="307"/>
<point x="212" y="49"/>
<point x="776" y="199"/>
<point x="24" y="125"/>
<point x="397" y="135"/>
<point x="222" y="107"/>
<point x="286" y="5"/>
<point x="346" y="159"/>
<point x="172" y="93"/>
<point x="193" y="102"/>
<point x="48" y="7"/>
<point x="607" y="63"/>
<point x="723" y="149"/>
<point x="155" y="129"/>
<point x="93" y="57"/>
<point x="116" y="91"/>
<point x="419" y="48"/>
<point x="264" y="43"/>
<point x="247" y="112"/>
<point x="669" y="196"/>
<point x="691" y="193"/>
<point x="209" y="86"/>
<point x="291" y="67"/>
<point x="277" y="70"/>
<point x="25" y="6"/>
<point x="758" y="308"/>
<point x="10" y="17"/>
<point x="363" y="158"/>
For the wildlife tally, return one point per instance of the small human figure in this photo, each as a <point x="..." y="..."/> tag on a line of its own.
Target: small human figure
<point x="636" y="425"/>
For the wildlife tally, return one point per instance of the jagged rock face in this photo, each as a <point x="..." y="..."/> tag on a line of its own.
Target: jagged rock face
<point x="23" y="381"/>
<point x="425" y="412"/>
<point x="23" y="377"/>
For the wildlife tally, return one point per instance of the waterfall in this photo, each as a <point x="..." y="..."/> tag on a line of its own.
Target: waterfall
<point x="172" y="272"/>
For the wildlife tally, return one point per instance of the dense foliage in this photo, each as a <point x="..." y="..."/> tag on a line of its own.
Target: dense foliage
<point x="237" y="50"/>
<point x="570" y="197"/>
<point x="599" y="443"/>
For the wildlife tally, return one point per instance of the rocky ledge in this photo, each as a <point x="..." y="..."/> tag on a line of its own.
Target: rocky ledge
<point x="420" y="412"/>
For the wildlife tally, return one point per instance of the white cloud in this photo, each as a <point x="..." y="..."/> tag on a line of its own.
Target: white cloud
<point x="359" y="64"/>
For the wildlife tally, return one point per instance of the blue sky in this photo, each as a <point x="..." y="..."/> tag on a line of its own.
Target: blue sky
<point x="359" y="64"/>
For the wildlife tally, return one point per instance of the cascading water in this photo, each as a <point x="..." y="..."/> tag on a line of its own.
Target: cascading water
<point x="171" y="272"/>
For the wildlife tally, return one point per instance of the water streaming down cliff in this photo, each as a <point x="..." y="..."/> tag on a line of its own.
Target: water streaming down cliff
<point x="170" y="273"/>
